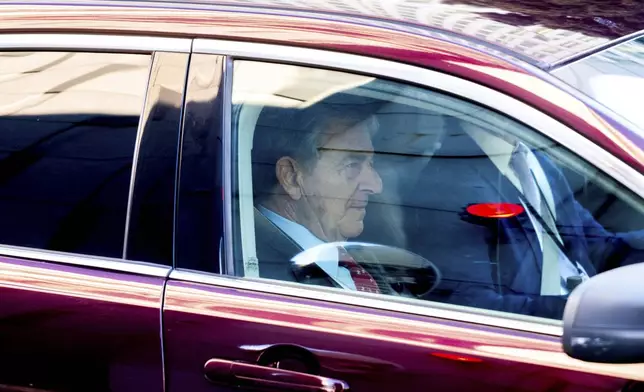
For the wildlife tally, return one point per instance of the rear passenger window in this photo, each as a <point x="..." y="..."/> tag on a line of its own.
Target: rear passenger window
<point x="365" y="184"/>
<point x="68" y="125"/>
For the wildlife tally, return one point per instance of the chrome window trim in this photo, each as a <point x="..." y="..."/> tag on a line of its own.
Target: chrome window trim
<point x="87" y="261"/>
<point x="103" y="42"/>
<point x="511" y="107"/>
<point x="377" y="301"/>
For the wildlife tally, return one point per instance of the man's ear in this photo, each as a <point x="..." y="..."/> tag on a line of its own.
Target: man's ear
<point x="287" y="171"/>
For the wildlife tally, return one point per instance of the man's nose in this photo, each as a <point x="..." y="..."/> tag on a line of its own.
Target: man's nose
<point x="370" y="180"/>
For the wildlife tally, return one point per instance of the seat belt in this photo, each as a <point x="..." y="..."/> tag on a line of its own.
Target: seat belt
<point x="555" y="261"/>
<point x="533" y="194"/>
<point x="550" y="271"/>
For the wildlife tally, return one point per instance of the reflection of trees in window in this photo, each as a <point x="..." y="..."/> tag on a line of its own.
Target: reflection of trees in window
<point x="604" y="18"/>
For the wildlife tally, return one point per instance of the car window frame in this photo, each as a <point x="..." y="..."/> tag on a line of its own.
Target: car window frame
<point x="98" y="43"/>
<point x="545" y="124"/>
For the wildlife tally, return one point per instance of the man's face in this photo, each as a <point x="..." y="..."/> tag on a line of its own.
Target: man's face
<point x="336" y="190"/>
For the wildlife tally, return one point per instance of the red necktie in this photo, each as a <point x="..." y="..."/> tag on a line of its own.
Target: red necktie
<point x="361" y="278"/>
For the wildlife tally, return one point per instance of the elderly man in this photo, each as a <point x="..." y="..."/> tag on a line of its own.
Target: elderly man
<point x="313" y="174"/>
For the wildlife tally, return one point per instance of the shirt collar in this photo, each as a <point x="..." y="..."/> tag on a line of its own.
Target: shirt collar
<point x="303" y="237"/>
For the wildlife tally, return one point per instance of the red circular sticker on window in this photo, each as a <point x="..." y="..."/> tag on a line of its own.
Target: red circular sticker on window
<point x="495" y="210"/>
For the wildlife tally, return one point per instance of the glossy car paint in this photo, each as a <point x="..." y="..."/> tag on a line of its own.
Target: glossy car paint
<point x="73" y="328"/>
<point x="409" y="44"/>
<point x="73" y="316"/>
<point x="553" y="22"/>
<point x="371" y="350"/>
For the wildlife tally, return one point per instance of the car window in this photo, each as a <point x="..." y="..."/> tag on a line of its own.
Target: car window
<point x="152" y="207"/>
<point x="612" y="77"/>
<point x="68" y="126"/>
<point x="199" y="239"/>
<point x="365" y="184"/>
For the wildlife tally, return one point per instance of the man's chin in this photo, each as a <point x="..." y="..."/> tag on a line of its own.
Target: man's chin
<point x="353" y="231"/>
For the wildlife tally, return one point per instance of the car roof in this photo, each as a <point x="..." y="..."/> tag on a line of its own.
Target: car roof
<point x="545" y="32"/>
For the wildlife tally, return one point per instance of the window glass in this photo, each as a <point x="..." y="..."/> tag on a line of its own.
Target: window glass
<point x="199" y="242"/>
<point x="151" y="223"/>
<point x="68" y="124"/>
<point x="365" y="184"/>
<point x="612" y="77"/>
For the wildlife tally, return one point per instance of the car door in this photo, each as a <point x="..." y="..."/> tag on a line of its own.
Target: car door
<point x="237" y="313"/>
<point x="88" y="134"/>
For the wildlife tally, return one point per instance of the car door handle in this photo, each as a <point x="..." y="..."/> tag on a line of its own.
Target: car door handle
<point x="248" y="376"/>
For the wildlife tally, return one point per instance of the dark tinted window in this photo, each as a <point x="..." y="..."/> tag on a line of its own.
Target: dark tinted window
<point x="200" y="218"/>
<point x="152" y="210"/>
<point x="68" y="124"/>
<point x="366" y="184"/>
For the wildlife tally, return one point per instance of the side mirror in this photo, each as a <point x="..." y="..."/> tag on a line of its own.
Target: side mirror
<point x="400" y="268"/>
<point x="604" y="317"/>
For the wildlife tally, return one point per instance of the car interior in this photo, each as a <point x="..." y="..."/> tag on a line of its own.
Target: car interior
<point x="428" y="149"/>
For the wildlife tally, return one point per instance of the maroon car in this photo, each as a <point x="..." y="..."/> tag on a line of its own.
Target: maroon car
<point x="321" y="195"/>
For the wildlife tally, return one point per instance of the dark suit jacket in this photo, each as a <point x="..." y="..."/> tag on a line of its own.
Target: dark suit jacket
<point x="275" y="251"/>
<point x="497" y="264"/>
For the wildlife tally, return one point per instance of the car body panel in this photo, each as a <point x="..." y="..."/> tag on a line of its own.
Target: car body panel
<point x="515" y="78"/>
<point x="100" y="328"/>
<point x="544" y="33"/>
<point x="372" y="350"/>
<point x="73" y="328"/>
<point x="217" y="318"/>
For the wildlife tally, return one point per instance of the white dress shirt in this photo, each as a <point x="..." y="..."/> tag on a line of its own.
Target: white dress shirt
<point x="500" y="153"/>
<point x="328" y="262"/>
